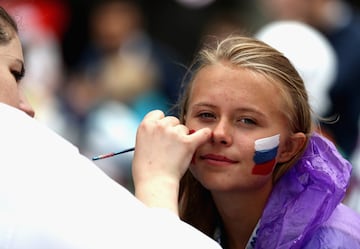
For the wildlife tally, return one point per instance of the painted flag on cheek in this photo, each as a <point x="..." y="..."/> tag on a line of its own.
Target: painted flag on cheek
<point x="265" y="154"/>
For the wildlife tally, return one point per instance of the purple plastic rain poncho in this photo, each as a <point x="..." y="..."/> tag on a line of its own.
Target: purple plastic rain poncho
<point x="304" y="209"/>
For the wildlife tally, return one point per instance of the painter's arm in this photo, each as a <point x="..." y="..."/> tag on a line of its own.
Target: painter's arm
<point x="163" y="153"/>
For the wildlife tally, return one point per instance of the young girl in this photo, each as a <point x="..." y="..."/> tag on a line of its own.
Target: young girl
<point x="258" y="176"/>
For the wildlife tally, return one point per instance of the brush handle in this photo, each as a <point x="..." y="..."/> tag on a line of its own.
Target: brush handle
<point x="112" y="154"/>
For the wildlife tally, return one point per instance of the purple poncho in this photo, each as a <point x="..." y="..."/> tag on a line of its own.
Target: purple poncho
<point x="304" y="209"/>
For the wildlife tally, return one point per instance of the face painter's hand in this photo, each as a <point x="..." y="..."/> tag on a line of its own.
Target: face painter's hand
<point x="163" y="151"/>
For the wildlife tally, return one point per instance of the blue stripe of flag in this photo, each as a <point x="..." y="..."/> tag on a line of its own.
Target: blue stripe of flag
<point x="263" y="156"/>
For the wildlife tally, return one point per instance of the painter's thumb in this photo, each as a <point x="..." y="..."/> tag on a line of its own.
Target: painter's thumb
<point x="200" y="136"/>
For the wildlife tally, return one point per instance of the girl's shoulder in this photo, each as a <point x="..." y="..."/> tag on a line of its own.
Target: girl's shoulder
<point x="341" y="230"/>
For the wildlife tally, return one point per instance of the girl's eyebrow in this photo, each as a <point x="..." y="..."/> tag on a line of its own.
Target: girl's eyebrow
<point x="242" y="109"/>
<point x="204" y="104"/>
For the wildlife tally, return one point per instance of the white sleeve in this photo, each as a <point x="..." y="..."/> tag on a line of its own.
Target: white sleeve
<point x="170" y="232"/>
<point x="52" y="197"/>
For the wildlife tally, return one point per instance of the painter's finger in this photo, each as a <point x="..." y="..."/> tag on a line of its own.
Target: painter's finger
<point x="169" y="121"/>
<point x="154" y="115"/>
<point x="181" y="129"/>
<point x="200" y="136"/>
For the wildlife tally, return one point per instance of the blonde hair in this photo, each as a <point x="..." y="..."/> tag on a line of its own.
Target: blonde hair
<point x="196" y="205"/>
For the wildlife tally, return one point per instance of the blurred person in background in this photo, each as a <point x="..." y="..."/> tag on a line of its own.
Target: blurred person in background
<point x="222" y="24"/>
<point x="311" y="54"/>
<point x="122" y="74"/>
<point x="340" y="23"/>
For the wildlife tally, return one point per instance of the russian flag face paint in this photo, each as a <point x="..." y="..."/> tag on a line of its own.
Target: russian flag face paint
<point x="265" y="154"/>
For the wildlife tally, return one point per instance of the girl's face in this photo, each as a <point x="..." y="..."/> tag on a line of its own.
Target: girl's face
<point x="11" y="72"/>
<point x="240" y="106"/>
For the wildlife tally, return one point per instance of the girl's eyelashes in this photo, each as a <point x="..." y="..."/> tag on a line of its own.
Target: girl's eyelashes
<point x="206" y="116"/>
<point x="18" y="70"/>
<point x="18" y="75"/>
<point x="247" y="121"/>
<point x="209" y="116"/>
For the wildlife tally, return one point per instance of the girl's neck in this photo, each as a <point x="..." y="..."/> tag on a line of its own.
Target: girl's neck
<point x="240" y="213"/>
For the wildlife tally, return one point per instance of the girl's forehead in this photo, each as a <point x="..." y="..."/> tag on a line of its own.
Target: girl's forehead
<point x="237" y="86"/>
<point x="233" y="79"/>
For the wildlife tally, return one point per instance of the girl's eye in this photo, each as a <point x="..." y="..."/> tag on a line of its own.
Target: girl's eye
<point x="206" y="115"/>
<point x="247" y="121"/>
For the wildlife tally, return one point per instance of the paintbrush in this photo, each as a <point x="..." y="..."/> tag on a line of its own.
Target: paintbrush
<point x="112" y="154"/>
<point x="121" y="152"/>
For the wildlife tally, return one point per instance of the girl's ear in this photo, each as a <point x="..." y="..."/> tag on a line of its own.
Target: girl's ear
<point x="293" y="145"/>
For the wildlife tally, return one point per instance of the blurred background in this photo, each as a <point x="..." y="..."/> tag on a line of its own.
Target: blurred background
<point x="94" y="68"/>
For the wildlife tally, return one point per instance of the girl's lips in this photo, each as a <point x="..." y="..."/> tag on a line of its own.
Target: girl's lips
<point x="218" y="158"/>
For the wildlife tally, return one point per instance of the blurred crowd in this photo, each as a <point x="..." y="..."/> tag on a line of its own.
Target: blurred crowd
<point x="95" y="68"/>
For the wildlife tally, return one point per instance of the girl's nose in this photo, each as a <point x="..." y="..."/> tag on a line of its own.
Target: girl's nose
<point x="222" y="133"/>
